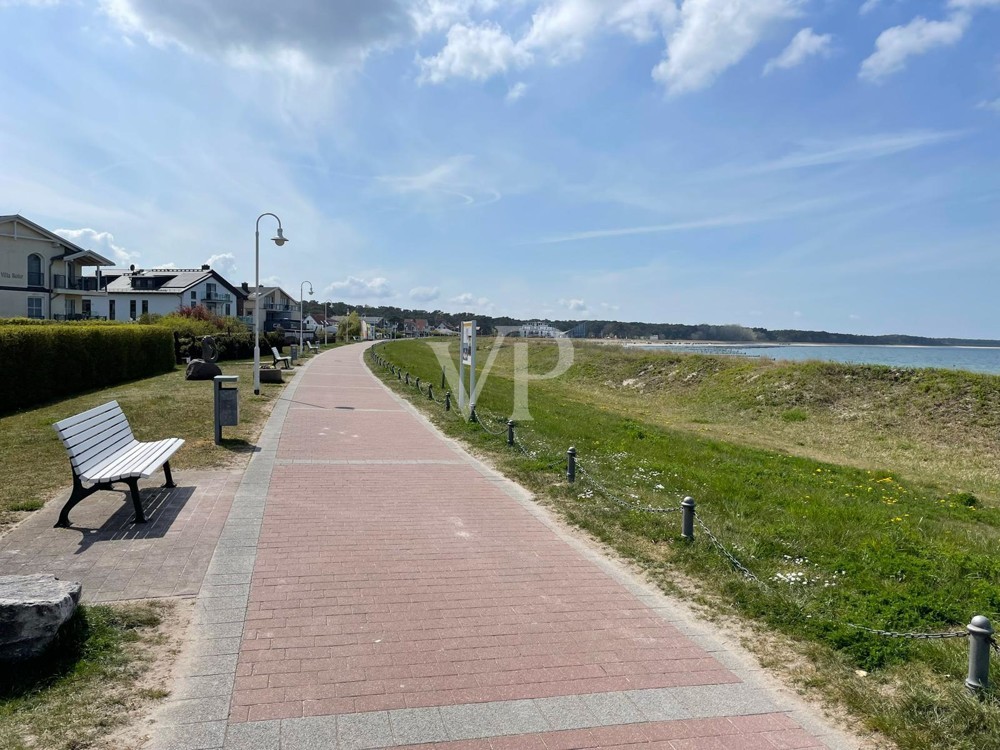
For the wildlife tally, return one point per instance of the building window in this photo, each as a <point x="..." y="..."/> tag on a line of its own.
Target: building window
<point x="35" y="307"/>
<point x="145" y="306"/>
<point x="35" y="275"/>
<point x="194" y="298"/>
<point x="228" y="310"/>
<point x="111" y="309"/>
<point x="131" y="309"/>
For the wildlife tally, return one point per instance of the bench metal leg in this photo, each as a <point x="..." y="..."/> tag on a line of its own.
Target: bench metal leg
<point x="166" y="474"/>
<point x="79" y="493"/>
<point x="133" y="485"/>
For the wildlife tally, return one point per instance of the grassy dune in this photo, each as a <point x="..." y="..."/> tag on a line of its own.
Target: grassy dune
<point x="856" y="495"/>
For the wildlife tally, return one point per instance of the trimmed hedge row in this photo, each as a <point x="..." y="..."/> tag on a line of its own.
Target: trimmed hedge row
<point x="43" y="363"/>
<point x="48" y="322"/>
<point x="230" y="345"/>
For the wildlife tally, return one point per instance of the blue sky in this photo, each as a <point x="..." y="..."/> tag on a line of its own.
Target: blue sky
<point x="784" y="163"/>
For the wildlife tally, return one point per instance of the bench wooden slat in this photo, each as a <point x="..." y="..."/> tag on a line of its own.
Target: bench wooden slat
<point x="121" y="464"/>
<point x="102" y="453"/>
<point x="81" y="432"/>
<point x="84" y="416"/>
<point x="97" y="436"/>
<point x="140" y="461"/>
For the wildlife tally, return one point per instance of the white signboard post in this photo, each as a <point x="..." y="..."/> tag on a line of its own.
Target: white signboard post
<point x="467" y="357"/>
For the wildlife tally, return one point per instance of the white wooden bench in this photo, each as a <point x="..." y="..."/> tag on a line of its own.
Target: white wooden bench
<point x="103" y="451"/>
<point x="311" y="346"/>
<point x="278" y="358"/>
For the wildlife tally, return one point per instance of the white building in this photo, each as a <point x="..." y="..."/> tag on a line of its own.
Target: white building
<point x="42" y="275"/>
<point x="277" y="307"/>
<point x="161" y="291"/>
<point x="536" y="329"/>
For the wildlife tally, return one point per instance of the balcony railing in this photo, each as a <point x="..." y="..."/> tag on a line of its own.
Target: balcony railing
<point x="78" y="316"/>
<point x="279" y="308"/>
<point x="81" y="284"/>
<point x="36" y="278"/>
<point x="216" y="297"/>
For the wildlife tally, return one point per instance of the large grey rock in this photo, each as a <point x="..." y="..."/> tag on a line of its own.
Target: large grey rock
<point x="32" y="609"/>
<point x="199" y="369"/>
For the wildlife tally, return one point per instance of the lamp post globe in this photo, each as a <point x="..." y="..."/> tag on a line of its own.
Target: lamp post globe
<point x="279" y="239"/>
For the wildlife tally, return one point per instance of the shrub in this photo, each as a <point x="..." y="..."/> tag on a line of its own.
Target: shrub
<point x="56" y="361"/>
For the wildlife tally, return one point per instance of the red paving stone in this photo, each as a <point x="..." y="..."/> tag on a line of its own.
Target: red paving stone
<point x="394" y="585"/>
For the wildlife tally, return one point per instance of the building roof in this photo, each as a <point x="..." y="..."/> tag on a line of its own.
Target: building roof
<point x="73" y="251"/>
<point x="172" y="280"/>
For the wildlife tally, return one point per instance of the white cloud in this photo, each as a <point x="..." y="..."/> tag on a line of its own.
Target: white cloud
<point x="355" y="288"/>
<point x="425" y="293"/>
<point x="165" y="266"/>
<point x="473" y="52"/>
<point x="467" y="298"/>
<point x="898" y="44"/>
<point x="438" y="15"/>
<point x="452" y="177"/>
<point x="30" y="3"/>
<point x="289" y="33"/>
<point x="576" y="305"/>
<point x="102" y="243"/>
<point x="516" y="91"/>
<point x="993" y="106"/>
<point x="973" y="4"/>
<point x="804" y="45"/>
<point x="714" y="35"/>
<point x="868" y="6"/>
<point x="797" y="314"/>
<point x="860" y="148"/>
<point x="224" y="263"/>
<point x="609" y="306"/>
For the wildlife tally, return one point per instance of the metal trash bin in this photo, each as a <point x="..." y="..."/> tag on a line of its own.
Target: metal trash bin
<point x="294" y="352"/>
<point x="227" y="404"/>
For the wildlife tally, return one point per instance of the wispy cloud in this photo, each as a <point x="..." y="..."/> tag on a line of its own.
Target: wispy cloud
<point x="452" y="177"/>
<point x="807" y="43"/>
<point x="861" y="148"/>
<point x="355" y="288"/>
<point x="425" y="293"/>
<point x="895" y="46"/>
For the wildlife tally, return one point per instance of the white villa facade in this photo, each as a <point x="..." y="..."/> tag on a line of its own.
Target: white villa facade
<point x="277" y="307"/>
<point x="43" y="275"/>
<point x="161" y="291"/>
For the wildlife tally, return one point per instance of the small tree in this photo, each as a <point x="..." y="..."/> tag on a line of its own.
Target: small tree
<point x="349" y="327"/>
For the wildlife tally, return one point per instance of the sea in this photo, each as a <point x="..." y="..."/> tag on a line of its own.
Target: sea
<point x="970" y="358"/>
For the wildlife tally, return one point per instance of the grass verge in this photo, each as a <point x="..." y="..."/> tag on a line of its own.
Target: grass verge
<point x="35" y="464"/>
<point x="831" y="544"/>
<point x="88" y="683"/>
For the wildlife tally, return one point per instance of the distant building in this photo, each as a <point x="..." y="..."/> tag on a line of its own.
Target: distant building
<point x="277" y="308"/>
<point x="42" y="274"/>
<point x="416" y="327"/>
<point x="538" y="330"/>
<point x="160" y="291"/>
<point x="372" y="327"/>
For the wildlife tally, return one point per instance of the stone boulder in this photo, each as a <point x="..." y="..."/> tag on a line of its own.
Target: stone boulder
<point x="199" y="369"/>
<point x="32" y="609"/>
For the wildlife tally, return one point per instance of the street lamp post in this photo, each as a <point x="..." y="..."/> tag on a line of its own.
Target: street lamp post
<point x="279" y="239"/>
<point x="326" y="323"/>
<point x="302" y="308"/>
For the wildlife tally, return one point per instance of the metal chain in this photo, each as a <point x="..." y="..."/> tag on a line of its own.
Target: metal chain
<point x="911" y="636"/>
<point x="747" y="573"/>
<point x="620" y="501"/>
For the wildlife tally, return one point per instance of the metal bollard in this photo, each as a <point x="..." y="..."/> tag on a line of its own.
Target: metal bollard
<point x="510" y="432"/>
<point x="442" y="378"/>
<point x="407" y="378"/>
<point x="430" y="391"/>
<point x="687" y="518"/>
<point x="418" y="385"/>
<point x="447" y="401"/>
<point x="980" y="641"/>
<point x="472" y="413"/>
<point x="571" y="464"/>
<point x="399" y="374"/>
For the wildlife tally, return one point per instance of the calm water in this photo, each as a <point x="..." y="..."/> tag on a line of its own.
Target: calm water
<point x="949" y="357"/>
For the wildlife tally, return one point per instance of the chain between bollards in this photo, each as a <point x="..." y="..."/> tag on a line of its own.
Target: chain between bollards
<point x="571" y="465"/>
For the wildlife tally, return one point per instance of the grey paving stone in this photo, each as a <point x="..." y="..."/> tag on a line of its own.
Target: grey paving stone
<point x="206" y="736"/>
<point x="219" y="616"/>
<point x="566" y="712"/>
<point x="362" y="731"/>
<point x="657" y="705"/>
<point x="195" y="710"/>
<point x="205" y="665"/>
<point x="310" y="733"/>
<point x="723" y="700"/>
<point x="609" y="709"/>
<point x="204" y="686"/>
<point x="416" y="726"/>
<point x="221" y="630"/>
<point x="257" y="735"/>
<point x="215" y="646"/>
<point x="473" y="721"/>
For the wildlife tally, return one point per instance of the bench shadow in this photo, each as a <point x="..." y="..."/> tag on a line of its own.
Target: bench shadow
<point x="238" y="445"/>
<point x="162" y="506"/>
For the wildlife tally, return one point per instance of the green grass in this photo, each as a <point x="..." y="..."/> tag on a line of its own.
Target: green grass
<point x="36" y="466"/>
<point x="86" y="684"/>
<point x="833" y="543"/>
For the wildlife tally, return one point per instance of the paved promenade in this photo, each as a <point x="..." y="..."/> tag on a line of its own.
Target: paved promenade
<point x="374" y="586"/>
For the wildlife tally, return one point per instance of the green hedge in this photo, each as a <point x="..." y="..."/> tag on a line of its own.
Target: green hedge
<point x="47" y="322"/>
<point x="44" y="363"/>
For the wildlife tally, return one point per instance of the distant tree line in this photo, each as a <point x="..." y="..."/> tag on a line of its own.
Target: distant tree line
<point x="603" y="329"/>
